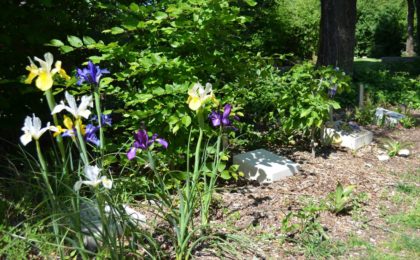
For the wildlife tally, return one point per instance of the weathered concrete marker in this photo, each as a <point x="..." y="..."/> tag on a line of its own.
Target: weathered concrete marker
<point x="264" y="166"/>
<point x="353" y="138"/>
<point x="391" y="117"/>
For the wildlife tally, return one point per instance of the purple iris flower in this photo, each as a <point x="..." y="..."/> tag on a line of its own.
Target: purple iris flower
<point x="105" y="119"/>
<point x="332" y="91"/>
<point x="142" y="141"/>
<point x="69" y="133"/>
<point x="218" y="118"/>
<point x="90" y="134"/>
<point x="92" y="74"/>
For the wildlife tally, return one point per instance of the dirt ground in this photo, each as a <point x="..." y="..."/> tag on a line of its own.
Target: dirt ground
<point x="257" y="211"/>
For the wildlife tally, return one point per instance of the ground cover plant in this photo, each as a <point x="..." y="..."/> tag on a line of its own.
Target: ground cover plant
<point x="118" y="142"/>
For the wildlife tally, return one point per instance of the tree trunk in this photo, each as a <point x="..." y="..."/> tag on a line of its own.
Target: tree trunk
<point x="409" y="45"/>
<point x="418" y="24"/>
<point x="337" y="34"/>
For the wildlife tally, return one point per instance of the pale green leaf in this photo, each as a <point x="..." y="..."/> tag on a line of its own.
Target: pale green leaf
<point x="74" y="41"/>
<point x="88" y="40"/>
<point x="117" y="30"/>
<point x="56" y="43"/>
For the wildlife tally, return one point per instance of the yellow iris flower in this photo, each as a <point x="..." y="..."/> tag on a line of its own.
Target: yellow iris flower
<point x="68" y="128"/>
<point x="44" y="73"/>
<point x="198" y="95"/>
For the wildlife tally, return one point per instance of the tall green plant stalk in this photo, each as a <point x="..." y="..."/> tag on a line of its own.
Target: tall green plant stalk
<point x="51" y="197"/>
<point x="108" y="238"/>
<point x="82" y="145"/>
<point x="97" y="96"/>
<point x="188" y="198"/>
<point x="59" y="139"/>
<point x="209" y="187"/>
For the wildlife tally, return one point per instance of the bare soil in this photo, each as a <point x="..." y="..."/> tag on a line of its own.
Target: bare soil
<point x="257" y="211"/>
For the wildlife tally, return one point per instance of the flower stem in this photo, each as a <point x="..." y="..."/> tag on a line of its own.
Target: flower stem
<point x="97" y="97"/>
<point x="82" y="145"/>
<point x="51" y="196"/>
<point x="51" y="105"/>
<point x="209" y="188"/>
<point x="43" y="168"/>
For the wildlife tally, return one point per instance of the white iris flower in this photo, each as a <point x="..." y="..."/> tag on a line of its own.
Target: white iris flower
<point x="77" y="111"/>
<point x="32" y="129"/>
<point x="93" y="179"/>
<point x="198" y="95"/>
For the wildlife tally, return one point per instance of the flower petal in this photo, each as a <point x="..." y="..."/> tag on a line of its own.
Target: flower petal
<point x="131" y="153"/>
<point x="33" y="72"/>
<point x="226" y="110"/>
<point x="58" y="108"/>
<point x="195" y="103"/>
<point x="92" y="172"/>
<point x="107" y="183"/>
<point x="215" y="119"/>
<point x="163" y="142"/>
<point x="26" y="138"/>
<point x="44" y="81"/>
<point x="49" y="59"/>
<point x="142" y="139"/>
<point x="84" y="113"/>
<point x="60" y="71"/>
<point x="77" y="185"/>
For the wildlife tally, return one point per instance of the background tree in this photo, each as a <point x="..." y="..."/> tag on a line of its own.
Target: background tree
<point x="409" y="45"/>
<point x="337" y="33"/>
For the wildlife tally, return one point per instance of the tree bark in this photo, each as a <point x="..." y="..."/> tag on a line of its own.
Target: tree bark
<point x="409" y="45"/>
<point x="337" y="34"/>
<point x="418" y="24"/>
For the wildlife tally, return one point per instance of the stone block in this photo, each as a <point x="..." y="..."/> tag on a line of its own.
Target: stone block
<point x="391" y="117"/>
<point x="264" y="166"/>
<point x="352" y="137"/>
<point x="91" y="224"/>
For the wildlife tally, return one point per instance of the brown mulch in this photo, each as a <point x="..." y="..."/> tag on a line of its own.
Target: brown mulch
<point x="257" y="210"/>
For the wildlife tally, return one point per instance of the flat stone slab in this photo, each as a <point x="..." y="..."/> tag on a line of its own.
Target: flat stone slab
<point x="264" y="166"/>
<point x="352" y="137"/>
<point x="91" y="224"/>
<point x="391" y="117"/>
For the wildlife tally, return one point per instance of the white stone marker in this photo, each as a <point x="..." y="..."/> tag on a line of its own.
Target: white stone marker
<point x="353" y="140"/>
<point x="351" y="137"/>
<point x="91" y="223"/>
<point x="391" y="117"/>
<point x="264" y="166"/>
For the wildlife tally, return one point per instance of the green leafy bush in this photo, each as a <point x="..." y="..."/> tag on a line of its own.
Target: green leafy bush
<point x="380" y="28"/>
<point x="155" y="56"/>
<point x="387" y="88"/>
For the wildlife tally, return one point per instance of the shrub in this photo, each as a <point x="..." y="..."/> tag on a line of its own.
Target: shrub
<point x="380" y="28"/>
<point x="387" y="88"/>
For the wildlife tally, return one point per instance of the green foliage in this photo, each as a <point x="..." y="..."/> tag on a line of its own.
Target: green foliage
<point x="387" y="88"/>
<point x="281" y="26"/>
<point x="304" y="222"/>
<point x="408" y="121"/>
<point x="365" y="115"/>
<point x="380" y="28"/>
<point x="393" y="146"/>
<point x="304" y="102"/>
<point x="341" y="199"/>
<point x="305" y="230"/>
<point x="155" y="56"/>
